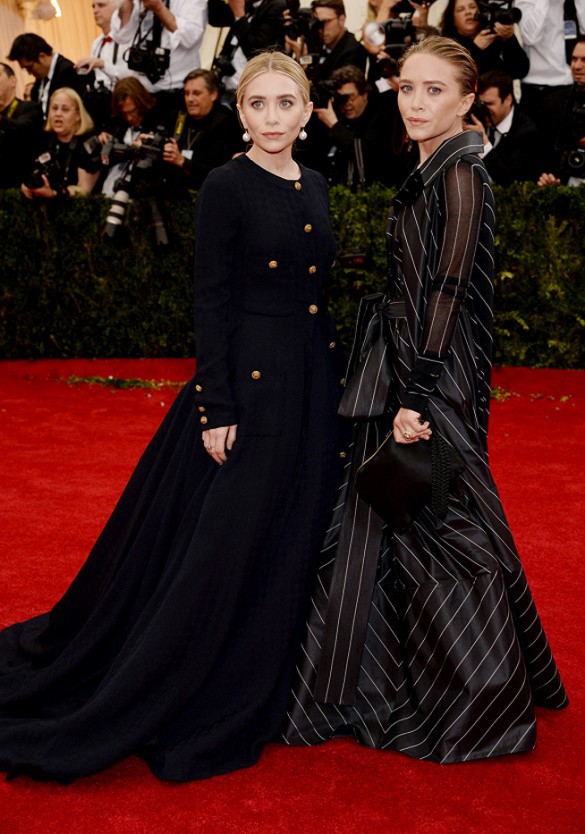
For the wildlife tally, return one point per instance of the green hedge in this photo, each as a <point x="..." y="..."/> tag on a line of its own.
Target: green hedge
<point x="65" y="291"/>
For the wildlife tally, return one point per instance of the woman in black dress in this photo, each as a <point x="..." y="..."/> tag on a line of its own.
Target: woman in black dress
<point x="427" y="641"/>
<point x="177" y="640"/>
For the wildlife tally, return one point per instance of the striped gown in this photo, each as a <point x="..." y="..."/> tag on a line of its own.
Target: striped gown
<point x="427" y="641"/>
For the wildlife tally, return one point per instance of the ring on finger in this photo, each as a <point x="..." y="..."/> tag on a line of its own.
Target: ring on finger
<point x="406" y="435"/>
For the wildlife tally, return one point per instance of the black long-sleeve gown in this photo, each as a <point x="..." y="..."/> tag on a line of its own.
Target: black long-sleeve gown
<point x="177" y="639"/>
<point x="427" y="641"/>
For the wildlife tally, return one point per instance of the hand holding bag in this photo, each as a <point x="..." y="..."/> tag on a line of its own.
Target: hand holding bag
<point x="400" y="478"/>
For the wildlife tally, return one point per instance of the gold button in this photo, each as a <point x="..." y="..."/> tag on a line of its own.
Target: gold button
<point x="313" y="309"/>
<point x="272" y="264"/>
<point x="312" y="270"/>
<point x="203" y="420"/>
<point x="198" y="388"/>
<point x="202" y="408"/>
<point x="298" y="186"/>
<point x="342" y="381"/>
<point x="308" y="228"/>
<point x="331" y="345"/>
<point x="256" y="374"/>
<point x="343" y="454"/>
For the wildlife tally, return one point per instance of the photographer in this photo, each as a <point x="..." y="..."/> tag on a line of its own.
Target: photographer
<point x="564" y="115"/>
<point x="50" y="69"/>
<point x="543" y="34"/>
<point x="510" y="137"/>
<point x="254" y="25"/>
<point x="105" y="61"/>
<point x="367" y="140"/>
<point x="161" y="40"/>
<point x="487" y="31"/>
<point x="135" y="113"/>
<point x="205" y="136"/>
<point x="64" y="168"/>
<point x="328" y="43"/>
<point x="20" y="131"/>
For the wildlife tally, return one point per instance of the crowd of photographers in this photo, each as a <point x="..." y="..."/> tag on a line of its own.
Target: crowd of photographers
<point x="138" y="116"/>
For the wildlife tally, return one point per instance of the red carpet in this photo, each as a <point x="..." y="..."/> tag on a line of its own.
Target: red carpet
<point x="65" y="454"/>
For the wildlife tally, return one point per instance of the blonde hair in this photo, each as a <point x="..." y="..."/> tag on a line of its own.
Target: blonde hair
<point x="272" y="61"/>
<point x="453" y="53"/>
<point x="85" y="121"/>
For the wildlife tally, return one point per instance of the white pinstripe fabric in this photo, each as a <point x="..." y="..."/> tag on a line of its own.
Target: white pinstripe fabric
<point x="455" y="654"/>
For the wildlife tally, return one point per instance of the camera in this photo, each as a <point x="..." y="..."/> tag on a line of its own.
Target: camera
<point x="222" y="65"/>
<point x="301" y="21"/>
<point x="497" y="11"/>
<point x="395" y="36"/>
<point x="137" y="179"/>
<point x="50" y="168"/>
<point x="481" y="113"/>
<point x="151" y="61"/>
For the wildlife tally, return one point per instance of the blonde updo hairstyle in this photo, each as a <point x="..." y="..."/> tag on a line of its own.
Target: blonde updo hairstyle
<point x="451" y="52"/>
<point x="85" y="123"/>
<point x="274" y="62"/>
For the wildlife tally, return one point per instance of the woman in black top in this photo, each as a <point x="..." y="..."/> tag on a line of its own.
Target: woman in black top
<point x="68" y="165"/>
<point x="426" y="640"/>
<point x="178" y="638"/>
<point x="491" y="49"/>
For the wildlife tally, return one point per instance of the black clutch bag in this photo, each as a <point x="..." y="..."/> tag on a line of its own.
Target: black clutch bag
<point x="399" y="479"/>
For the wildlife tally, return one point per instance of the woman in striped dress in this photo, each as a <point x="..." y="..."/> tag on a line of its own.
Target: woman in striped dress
<point x="427" y="641"/>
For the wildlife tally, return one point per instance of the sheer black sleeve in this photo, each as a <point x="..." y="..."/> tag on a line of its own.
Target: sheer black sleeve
<point x="462" y="207"/>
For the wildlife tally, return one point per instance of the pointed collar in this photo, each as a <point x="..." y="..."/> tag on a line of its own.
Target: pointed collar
<point x="467" y="142"/>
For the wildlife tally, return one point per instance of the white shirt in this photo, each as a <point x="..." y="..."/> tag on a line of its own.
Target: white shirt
<point x="184" y="42"/>
<point x="46" y="83"/>
<point x="543" y="37"/>
<point x="111" y="53"/>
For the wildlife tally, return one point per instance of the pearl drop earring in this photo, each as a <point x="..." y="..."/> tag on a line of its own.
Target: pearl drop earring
<point x="246" y="136"/>
<point x="302" y="134"/>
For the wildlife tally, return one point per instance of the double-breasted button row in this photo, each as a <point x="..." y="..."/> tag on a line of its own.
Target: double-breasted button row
<point x="298" y="186"/>
<point x="198" y="388"/>
<point x="203" y="420"/>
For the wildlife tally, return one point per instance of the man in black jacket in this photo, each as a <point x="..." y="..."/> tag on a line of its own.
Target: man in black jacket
<point x="254" y="25"/>
<point x="50" y="69"/>
<point x="205" y="136"/>
<point x="511" y="139"/>
<point x="366" y="138"/>
<point x="335" y="47"/>
<point x="20" y="130"/>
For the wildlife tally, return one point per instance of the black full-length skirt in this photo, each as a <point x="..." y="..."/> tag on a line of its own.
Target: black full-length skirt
<point x="177" y="639"/>
<point x="454" y="655"/>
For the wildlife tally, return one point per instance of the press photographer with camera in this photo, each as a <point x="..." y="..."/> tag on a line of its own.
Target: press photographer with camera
<point x="135" y="113"/>
<point x="322" y="37"/>
<point x="544" y="32"/>
<point x="64" y="168"/>
<point x="206" y="135"/>
<point x="510" y="138"/>
<point x="564" y="114"/>
<point x="253" y="25"/>
<point x="105" y="61"/>
<point x="161" y="40"/>
<point x="367" y="140"/>
<point x="487" y="31"/>
<point x="21" y="123"/>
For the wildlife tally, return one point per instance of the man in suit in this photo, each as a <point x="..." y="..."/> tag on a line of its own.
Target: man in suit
<point x="21" y="123"/>
<point x="254" y="25"/>
<point x="510" y="138"/>
<point x="335" y="47"/>
<point x="205" y="136"/>
<point x="563" y="156"/>
<point x="50" y="69"/>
